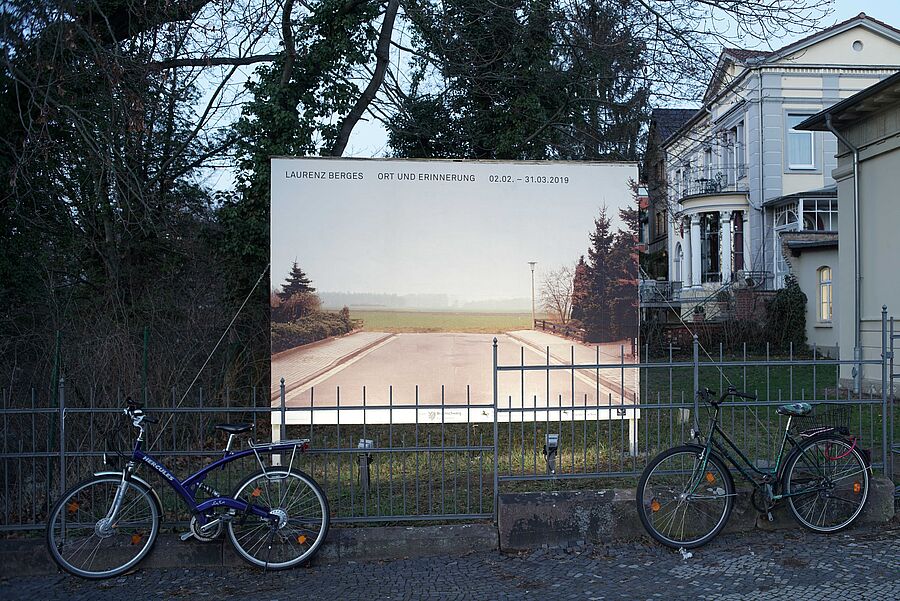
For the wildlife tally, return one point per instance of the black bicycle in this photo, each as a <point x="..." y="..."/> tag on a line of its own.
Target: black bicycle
<point x="686" y="493"/>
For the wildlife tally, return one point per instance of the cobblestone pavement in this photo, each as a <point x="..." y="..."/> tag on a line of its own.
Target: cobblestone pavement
<point x="863" y="564"/>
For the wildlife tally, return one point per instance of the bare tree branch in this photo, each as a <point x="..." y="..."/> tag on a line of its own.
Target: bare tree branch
<point x="382" y="59"/>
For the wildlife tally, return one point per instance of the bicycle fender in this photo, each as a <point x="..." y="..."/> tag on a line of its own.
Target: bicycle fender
<point x="137" y="479"/>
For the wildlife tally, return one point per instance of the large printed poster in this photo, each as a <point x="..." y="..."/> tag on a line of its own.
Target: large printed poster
<point x="391" y="279"/>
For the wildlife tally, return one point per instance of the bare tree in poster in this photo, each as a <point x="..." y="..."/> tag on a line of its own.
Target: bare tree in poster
<point x="557" y="287"/>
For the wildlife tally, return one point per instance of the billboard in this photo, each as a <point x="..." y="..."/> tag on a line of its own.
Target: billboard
<point x="390" y="280"/>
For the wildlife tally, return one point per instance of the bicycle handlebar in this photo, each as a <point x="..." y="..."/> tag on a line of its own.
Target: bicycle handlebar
<point x="709" y="395"/>
<point x="135" y="411"/>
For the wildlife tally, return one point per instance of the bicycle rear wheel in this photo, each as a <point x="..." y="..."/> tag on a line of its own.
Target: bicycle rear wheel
<point x="826" y="484"/>
<point x="299" y="524"/>
<point x="85" y="542"/>
<point x="683" y="501"/>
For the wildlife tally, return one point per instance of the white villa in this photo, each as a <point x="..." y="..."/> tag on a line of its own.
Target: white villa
<point x="739" y="177"/>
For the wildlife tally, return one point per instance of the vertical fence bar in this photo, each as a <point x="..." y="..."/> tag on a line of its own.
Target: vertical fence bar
<point x="696" y="345"/>
<point x="891" y="376"/>
<point x="496" y="466"/>
<point x="885" y="444"/>
<point x="282" y="429"/>
<point x="62" y="435"/>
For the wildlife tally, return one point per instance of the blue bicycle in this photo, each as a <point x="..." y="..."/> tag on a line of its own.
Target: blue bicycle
<point x="276" y="518"/>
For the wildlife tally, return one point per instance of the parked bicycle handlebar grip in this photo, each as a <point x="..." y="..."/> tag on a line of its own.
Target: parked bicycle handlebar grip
<point x="135" y="409"/>
<point x="733" y="391"/>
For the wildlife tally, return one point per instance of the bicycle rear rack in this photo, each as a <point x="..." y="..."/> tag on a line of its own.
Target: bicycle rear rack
<point x="273" y="448"/>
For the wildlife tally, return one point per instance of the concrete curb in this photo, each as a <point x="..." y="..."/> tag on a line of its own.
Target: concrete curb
<point x="586" y="373"/>
<point x="276" y="395"/>
<point x="531" y="520"/>
<point x="29" y="557"/>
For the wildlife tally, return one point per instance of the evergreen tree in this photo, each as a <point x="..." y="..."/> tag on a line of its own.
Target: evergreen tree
<point x="600" y="274"/>
<point x="622" y="292"/>
<point x="296" y="282"/>
<point x="581" y="289"/>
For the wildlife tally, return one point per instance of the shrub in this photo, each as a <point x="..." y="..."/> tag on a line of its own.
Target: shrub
<point x="314" y="326"/>
<point x="786" y="317"/>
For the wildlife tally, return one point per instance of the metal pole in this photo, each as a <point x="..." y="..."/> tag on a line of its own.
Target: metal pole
<point x="532" y="263"/>
<point x="890" y="417"/>
<point x="144" y="366"/>
<point x="496" y="476"/>
<point x="696" y="383"/>
<point x="283" y="428"/>
<point x="885" y="445"/>
<point x="62" y="435"/>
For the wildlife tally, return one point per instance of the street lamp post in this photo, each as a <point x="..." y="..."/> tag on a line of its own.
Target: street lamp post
<point x="532" y="263"/>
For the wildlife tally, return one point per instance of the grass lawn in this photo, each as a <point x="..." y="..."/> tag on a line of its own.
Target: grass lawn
<point x="441" y="321"/>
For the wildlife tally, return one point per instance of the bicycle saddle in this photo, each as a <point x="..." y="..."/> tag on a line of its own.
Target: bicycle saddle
<point x="794" y="409"/>
<point x="234" y="428"/>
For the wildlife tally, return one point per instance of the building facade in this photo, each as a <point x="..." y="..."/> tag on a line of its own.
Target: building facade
<point x="740" y="176"/>
<point x="867" y="175"/>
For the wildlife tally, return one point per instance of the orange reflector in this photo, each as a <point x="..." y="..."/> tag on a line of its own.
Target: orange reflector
<point x="72" y="507"/>
<point x="301" y="539"/>
<point x="857" y="487"/>
<point x="710" y="478"/>
<point x="135" y="539"/>
<point x="654" y="505"/>
<point x="256" y="492"/>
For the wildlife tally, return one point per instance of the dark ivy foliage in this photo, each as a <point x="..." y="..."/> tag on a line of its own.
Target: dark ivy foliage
<point x="786" y="317"/>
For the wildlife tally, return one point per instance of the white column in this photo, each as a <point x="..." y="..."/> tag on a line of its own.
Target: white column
<point x="748" y="265"/>
<point x="686" y="259"/>
<point x="696" y="267"/>
<point x="725" y="245"/>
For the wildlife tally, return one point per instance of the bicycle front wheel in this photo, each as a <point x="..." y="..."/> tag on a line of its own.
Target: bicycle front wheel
<point x="298" y="525"/>
<point x="87" y="541"/>
<point x="684" y="500"/>
<point x="826" y="484"/>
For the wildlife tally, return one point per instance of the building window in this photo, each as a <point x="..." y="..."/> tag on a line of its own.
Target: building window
<point x="820" y="214"/>
<point x="799" y="144"/>
<point x="825" y="294"/>
<point x="709" y="247"/>
<point x="679" y="258"/>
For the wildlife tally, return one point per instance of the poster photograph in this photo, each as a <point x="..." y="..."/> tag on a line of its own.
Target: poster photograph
<point x="392" y="279"/>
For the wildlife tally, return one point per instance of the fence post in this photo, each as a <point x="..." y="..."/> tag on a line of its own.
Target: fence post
<point x="891" y="376"/>
<point x="885" y="382"/>
<point x="496" y="467"/>
<point x="283" y="428"/>
<point x="696" y="383"/>
<point x="62" y="435"/>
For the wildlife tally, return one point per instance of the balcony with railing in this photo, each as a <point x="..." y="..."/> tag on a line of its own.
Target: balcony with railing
<point x="710" y="180"/>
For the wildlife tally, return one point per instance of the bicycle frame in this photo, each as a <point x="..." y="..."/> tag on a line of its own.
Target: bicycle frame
<point x="768" y="477"/>
<point x="187" y="488"/>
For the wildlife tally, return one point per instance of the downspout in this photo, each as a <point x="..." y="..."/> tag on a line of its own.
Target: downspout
<point x="857" y="325"/>
<point x="762" y="179"/>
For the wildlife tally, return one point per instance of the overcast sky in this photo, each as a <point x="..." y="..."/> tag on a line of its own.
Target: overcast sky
<point x="470" y="240"/>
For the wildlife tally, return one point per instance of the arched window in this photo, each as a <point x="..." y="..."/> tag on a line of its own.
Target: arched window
<point x="679" y="257"/>
<point x="825" y="293"/>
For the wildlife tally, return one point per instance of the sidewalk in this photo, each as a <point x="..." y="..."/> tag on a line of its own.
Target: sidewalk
<point x="863" y="563"/>
<point x="562" y="351"/>
<point x="298" y="366"/>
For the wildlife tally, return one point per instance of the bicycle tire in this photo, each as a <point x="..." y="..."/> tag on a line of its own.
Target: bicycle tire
<point x="85" y="505"/>
<point x="654" y="495"/>
<point x="255" y="544"/>
<point x="818" y="459"/>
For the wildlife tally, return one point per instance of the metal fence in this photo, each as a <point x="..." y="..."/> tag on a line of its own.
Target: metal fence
<point x="445" y="459"/>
